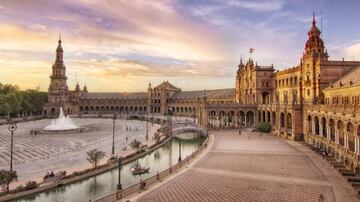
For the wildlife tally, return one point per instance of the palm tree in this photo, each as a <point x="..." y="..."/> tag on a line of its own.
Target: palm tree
<point x="7" y="177"/>
<point x="94" y="156"/>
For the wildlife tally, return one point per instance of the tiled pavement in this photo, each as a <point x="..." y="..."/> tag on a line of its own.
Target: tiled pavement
<point x="262" y="168"/>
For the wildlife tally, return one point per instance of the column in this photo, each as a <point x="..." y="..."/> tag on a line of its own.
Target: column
<point x="336" y="136"/>
<point x="328" y="132"/>
<point x="245" y="120"/>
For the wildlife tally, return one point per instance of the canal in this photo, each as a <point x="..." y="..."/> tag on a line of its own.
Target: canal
<point x="106" y="183"/>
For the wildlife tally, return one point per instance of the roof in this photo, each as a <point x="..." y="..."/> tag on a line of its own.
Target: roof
<point x="220" y="93"/>
<point x="350" y="79"/>
<point x="166" y="85"/>
<point x="122" y="96"/>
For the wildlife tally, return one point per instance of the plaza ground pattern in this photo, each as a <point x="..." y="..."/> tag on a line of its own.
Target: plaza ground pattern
<point x="254" y="167"/>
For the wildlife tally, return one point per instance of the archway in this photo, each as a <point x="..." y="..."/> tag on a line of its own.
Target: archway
<point x="340" y="127"/>
<point x="317" y="127"/>
<point x="250" y="118"/>
<point x="351" y="136"/>
<point x="309" y="124"/>
<point x="263" y="116"/>
<point x="323" y="125"/>
<point x="282" y="120"/>
<point x="273" y="119"/>
<point x="268" y="116"/>
<point x="332" y="129"/>
<point x="289" y="121"/>
<point x="265" y="98"/>
<point x="52" y="111"/>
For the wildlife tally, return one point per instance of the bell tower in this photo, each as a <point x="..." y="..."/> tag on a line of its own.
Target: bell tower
<point x="58" y="89"/>
<point x="314" y="54"/>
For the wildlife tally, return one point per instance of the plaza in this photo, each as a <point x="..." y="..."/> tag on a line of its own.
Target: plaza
<point x="34" y="155"/>
<point x="262" y="168"/>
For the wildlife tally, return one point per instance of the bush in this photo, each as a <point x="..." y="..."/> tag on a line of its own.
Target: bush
<point x="19" y="188"/>
<point x="31" y="185"/>
<point x="264" y="127"/>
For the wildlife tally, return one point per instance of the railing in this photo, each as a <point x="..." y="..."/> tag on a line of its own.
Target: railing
<point x="342" y="109"/>
<point x="120" y="194"/>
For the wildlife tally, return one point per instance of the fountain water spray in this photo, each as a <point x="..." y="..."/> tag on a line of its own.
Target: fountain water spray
<point x="62" y="123"/>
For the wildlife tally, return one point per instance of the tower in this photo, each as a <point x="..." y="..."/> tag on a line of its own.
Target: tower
<point x="238" y="82"/>
<point x="314" y="54"/>
<point x="58" y="89"/>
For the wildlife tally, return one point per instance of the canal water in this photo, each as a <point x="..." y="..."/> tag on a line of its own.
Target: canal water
<point x="106" y="183"/>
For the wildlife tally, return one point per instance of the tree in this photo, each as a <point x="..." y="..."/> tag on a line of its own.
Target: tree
<point x="135" y="144"/>
<point x="157" y="137"/>
<point x="94" y="156"/>
<point x="7" y="176"/>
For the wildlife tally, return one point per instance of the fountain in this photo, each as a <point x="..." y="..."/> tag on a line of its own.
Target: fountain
<point x="62" y="124"/>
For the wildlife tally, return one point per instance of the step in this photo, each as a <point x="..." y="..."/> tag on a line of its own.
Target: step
<point x="350" y="174"/>
<point x="355" y="184"/>
<point x="353" y="179"/>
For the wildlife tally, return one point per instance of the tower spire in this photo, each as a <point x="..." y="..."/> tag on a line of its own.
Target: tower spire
<point x="313" y="21"/>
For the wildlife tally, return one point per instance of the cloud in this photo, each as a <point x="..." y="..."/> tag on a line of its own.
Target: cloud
<point x="258" y="5"/>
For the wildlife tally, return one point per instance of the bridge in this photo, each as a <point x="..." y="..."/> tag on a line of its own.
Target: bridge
<point x="187" y="126"/>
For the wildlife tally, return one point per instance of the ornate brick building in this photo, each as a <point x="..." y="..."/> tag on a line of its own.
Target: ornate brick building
<point x="301" y="103"/>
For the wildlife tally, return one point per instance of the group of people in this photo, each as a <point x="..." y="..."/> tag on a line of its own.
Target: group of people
<point x="33" y="132"/>
<point x="52" y="175"/>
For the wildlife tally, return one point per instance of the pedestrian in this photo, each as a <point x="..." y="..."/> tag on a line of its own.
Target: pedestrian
<point x="239" y="132"/>
<point x="126" y="138"/>
<point x="321" y="198"/>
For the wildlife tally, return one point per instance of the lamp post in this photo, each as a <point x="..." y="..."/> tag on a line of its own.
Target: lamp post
<point x="170" y="134"/>
<point x="179" y="159"/>
<point x="119" y="186"/>
<point x="113" y="138"/>
<point x="147" y="128"/>
<point x="12" y="128"/>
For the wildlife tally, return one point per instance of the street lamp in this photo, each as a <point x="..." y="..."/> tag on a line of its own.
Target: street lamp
<point x="170" y="134"/>
<point x="147" y="129"/>
<point x="179" y="150"/>
<point x="12" y="128"/>
<point x="113" y="138"/>
<point x="119" y="186"/>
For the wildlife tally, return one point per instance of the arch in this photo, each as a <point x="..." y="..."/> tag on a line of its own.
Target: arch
<point x="97" y="108"/>
<point x="259" y="116"/>
<point x="351" y="136"/>
<point x="92" y="108"/>
<point x="289" y="121"/>
<point x="282" y="120"/>
<point x="81" y="108"/>
<point x="340" y="127"/>
<point x="273" y="121"/>
<point x="268" y="116"/>
<point x="332" y="129"/>
<point x="52" y="112"/>
<point x="265" y="98"/>
<point x="323" y="125"/>
<point x="309" y="124"/>
<point x="112" y="108"/>
<point x="263" y="116"/>
<point x="317" y="126"/>
<point x="86" y="108"/>
<point x="250" y="118"/>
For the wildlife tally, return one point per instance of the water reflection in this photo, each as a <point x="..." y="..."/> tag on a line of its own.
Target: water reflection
<point x="103" y="184"/>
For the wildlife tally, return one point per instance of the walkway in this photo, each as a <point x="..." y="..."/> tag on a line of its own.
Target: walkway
<point x="262" y="168"/>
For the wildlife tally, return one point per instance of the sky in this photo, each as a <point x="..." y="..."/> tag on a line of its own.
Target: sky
<point x="122" y="45"/>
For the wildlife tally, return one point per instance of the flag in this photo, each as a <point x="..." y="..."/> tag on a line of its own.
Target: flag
<point x="251" y="50"/>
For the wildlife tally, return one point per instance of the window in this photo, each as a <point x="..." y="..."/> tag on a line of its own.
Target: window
<point x="308" y="92"/>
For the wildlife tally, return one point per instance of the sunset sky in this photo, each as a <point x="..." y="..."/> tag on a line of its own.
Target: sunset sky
<point x="121" y="45"/>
